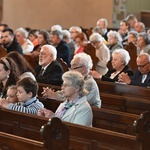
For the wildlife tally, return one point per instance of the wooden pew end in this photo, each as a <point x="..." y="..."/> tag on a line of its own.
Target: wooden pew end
<point x="55" y="134"/>
<point x="142" y="127"/>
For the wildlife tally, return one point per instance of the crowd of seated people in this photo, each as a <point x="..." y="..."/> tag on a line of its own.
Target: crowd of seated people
<point x="102" y="46"/>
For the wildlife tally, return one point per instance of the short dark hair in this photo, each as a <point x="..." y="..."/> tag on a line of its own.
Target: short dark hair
<point x="11" y="32"/>
<point x="29" y="85"/>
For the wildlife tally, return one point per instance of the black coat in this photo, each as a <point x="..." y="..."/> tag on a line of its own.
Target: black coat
<point x="106" y="77"/>
<point x="14" y="46"/>
<point x="137" y="79"/>
<point x="52" y="74"/>
<point x="63" y="51"/>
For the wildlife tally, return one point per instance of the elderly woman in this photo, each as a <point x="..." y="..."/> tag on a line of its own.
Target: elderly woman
<point x="114" y="41"/>
<point x="102" y="53"/>
<point x="22" y="38"/>
<point x="143" y="43"/>
<point x="76" y="108"/>
<point x="120" y="60"/>
<point x="132" y="37"/>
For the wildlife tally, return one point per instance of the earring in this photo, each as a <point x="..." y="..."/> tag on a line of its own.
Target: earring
<point x="7" y="76"/>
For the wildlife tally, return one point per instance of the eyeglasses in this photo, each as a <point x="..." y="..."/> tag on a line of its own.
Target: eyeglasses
<point x="65" y="85"/>
<point x="142" y="66"/>
<point x="73" y="68"/>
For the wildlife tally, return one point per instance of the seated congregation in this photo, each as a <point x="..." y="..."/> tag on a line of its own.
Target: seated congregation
<point x="78" y="77"/>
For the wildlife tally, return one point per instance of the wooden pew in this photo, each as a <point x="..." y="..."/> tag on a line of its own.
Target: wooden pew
<point x="119" y="102"/>
<point x="13" y="142"/>
<point x="57" y="136"/>
<point x="31" y="60"/>
<point x="112" y="88"/>
<point x="124" y="103"/>
<point x="132" y="49"/>
<point x="3" y="51"/>
<point x="82" y="137"/>
<point x="103" y="118"/>
<point x="124" y="90"/>
<point x="114" y="121"/>
<point x="63" y="64"/>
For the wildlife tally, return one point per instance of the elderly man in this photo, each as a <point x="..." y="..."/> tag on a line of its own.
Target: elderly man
<point x="139" y="27"/>
<point x="102" y="23"/>
<point x="82" y="63"/>
<point x="141" y="76"/>
<point x="49" y="70"/>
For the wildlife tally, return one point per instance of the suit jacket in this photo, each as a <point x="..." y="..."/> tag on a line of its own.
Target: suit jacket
<point x="63" y="51"/>
<point x="137" y="79"/>
<point x="52" y="74"/>
<point x="106" y="77"/>
<point x="79" y="113"/>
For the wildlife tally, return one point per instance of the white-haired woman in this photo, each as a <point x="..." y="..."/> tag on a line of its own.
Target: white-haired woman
<point x="75" y="108"/>
<point x="114" y="41"/>
<point x="102" y="53"/>
<point x="22" y="38"/>
<point x="120" y="60"/>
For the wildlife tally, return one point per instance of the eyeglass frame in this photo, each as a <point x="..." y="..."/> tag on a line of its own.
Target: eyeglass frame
<point x="76" y="67"/>
<point x="142" y="66"/>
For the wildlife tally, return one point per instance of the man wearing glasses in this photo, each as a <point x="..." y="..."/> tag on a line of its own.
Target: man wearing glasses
<point x="82" y="63"/>
<point x="141" y="76"/>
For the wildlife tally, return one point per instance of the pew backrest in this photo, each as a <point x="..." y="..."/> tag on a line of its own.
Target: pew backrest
<point x="81" y="137"/>
<point x="124" y="90"/>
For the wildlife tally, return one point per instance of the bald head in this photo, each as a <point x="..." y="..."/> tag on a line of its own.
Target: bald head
<point x="143" y="63"/>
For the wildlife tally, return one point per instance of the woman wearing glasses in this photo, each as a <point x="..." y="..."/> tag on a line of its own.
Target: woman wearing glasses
<point x="75" y="108"/>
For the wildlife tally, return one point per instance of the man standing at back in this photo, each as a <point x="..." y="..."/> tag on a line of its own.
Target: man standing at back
<point x="63" y="49"/>
<point x="49" y="70"/>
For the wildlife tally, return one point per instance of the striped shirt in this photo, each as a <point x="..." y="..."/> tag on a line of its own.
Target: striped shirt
<point x="31" y="106"/>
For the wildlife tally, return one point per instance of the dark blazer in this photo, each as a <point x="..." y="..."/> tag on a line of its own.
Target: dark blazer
<point x="106" y="77"/>
<point x="14" y="46"/>
<point x="52" y="74"/>
<point x="137" y="79"/>
<point x="63" y="51"/>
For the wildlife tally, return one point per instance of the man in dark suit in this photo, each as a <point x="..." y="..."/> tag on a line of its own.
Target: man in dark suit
<point x="9" y="41"/>
<point x="49" y="70"/>
<point x="63" y="49"/>
<point x="141" y="76"/>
